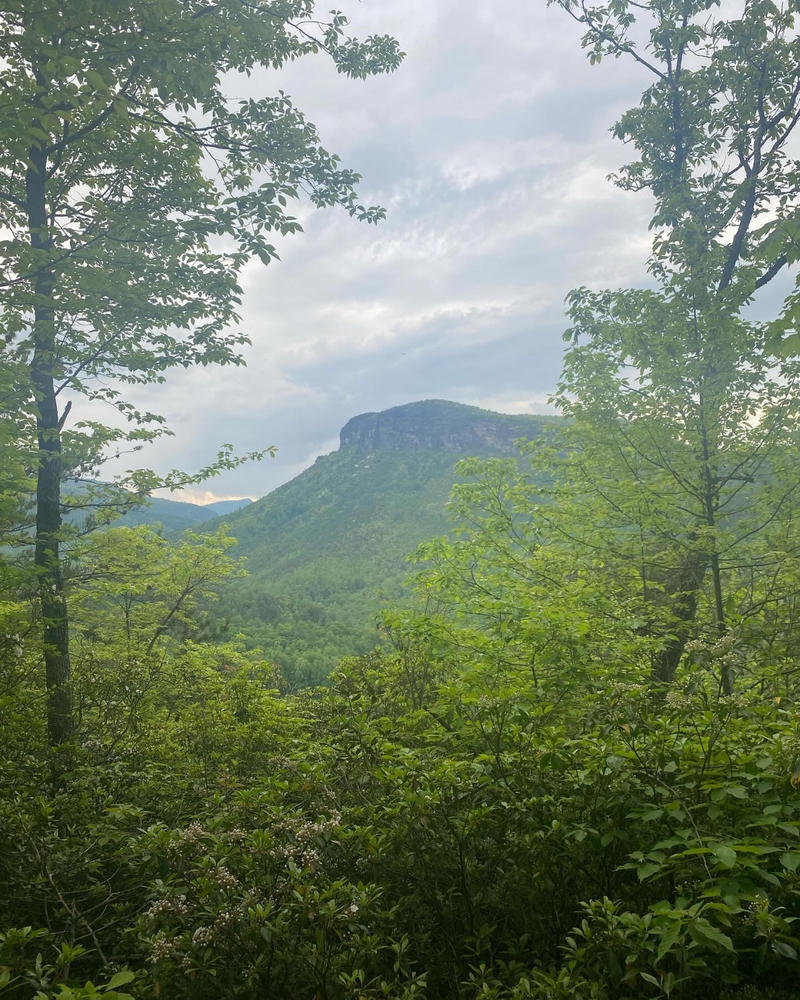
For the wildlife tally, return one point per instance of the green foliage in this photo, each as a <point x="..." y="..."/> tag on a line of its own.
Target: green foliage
<point x="576" y="771"/>
<point x="683" y="412"/>
<point x="261" y="912"/>
<point x="19" y="972"/>
<point x="511" y="807"/>
<point x="712" y="138"/>
<point x="438" y="823"/>
<point x="115" y="112"/>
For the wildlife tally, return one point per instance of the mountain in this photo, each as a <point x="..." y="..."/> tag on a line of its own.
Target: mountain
<point x="328" y="549"/>
<point x="176" y="515"/>
<point x="224" y="506"/>
<point x="438" y="425"/>
<point x="172" y="515"/>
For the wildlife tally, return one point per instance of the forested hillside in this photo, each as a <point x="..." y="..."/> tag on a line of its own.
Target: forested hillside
<point x="327" y="551"/>
<point x="573" y="770"/>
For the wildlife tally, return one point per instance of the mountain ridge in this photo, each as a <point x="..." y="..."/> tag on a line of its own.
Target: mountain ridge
<point x="438" y="425"/>
<point x="172" y="515"/>
<point x="326" y="550"/>
<point x="177" y="515"/>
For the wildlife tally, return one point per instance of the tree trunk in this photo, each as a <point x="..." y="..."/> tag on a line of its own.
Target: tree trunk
<point x="711" y="501"/>
<point x="47" y="558"/>
<point x="719" y="618"/>
<point x="687" y="581"/>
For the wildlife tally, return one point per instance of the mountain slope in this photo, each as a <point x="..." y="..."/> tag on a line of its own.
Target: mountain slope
<point x="327" y="549"/>
<point x="224" y="506"/>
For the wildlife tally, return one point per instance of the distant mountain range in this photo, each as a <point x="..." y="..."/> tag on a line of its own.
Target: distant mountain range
<point x="172" y="515"/>
<point x="328" y="549"/>
<point x="176" y="515"/>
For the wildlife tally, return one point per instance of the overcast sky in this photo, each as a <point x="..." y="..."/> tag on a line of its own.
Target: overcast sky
<point x="489" y="148"/>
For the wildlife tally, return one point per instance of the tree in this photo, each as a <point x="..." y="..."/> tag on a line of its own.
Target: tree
<point x="712" y="133"/>
<point x="692" y="401"/>
<point x="132" y="193"/>
<point x="672" y="497"/>
<point x="685" y="451"/>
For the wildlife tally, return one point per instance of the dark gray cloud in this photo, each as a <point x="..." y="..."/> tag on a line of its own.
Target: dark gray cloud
<point x="490" y="149"/>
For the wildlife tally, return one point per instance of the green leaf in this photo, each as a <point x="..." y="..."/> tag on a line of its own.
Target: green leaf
<point x="784" y="949"/>
<point x="705" y="933"/>
<point x="645" y="871"/>
<point x="94" y="79"/>
<point x="725" y="855"/>
<point x="669" y="938"/>
<point x="121" y="978"/>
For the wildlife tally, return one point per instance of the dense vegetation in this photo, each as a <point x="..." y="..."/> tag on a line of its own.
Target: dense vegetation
<point x="325" y="550"/>
<point x="576" y="770"/>
<point x="455" y="818"/>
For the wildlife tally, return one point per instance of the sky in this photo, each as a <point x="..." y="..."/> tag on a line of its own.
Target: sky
<point x="490" y="149"/>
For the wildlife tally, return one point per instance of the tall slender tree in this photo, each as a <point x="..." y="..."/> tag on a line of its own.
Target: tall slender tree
<point x="687" y="394"/>
<point x="132" y="192"/>
<point x="687" y="443"/>
<point x="712" y="134"/>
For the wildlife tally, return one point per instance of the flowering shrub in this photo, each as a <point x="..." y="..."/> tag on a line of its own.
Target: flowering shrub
<point x="261" y="913"/>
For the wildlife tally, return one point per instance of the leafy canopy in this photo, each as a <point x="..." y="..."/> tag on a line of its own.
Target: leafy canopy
<point x="158" y="187"/>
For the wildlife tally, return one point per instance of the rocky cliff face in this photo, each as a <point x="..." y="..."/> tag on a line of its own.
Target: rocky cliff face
<point x="438" y="425"/>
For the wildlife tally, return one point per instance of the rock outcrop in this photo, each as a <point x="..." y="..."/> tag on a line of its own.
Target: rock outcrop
<point x="439" y="425"/>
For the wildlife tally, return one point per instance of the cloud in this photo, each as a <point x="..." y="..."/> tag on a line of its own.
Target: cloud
<point x="201" y="497"/>
<point x="490" y="149"/>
